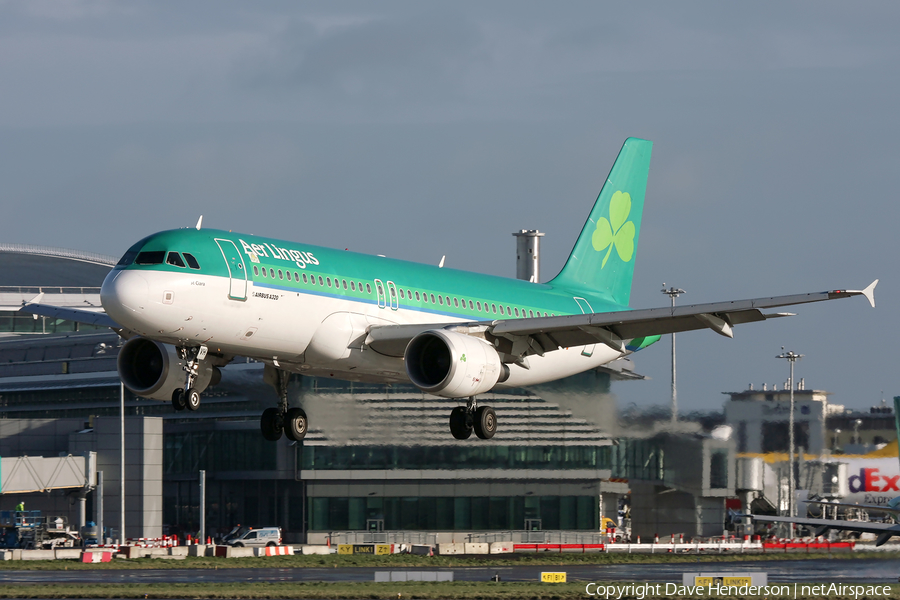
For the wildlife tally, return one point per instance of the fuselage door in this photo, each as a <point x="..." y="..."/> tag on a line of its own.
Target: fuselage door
<point x="585" y="307"/>
<point x="379" y="289"/>
<point x="392" y="295"/>
<point x="237" y="272"/>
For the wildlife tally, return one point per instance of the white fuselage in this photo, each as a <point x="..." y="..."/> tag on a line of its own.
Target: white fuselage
<point x="299" y="331"/>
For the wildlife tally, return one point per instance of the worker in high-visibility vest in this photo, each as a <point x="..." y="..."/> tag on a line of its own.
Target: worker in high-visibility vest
<point x="20" y="511"/>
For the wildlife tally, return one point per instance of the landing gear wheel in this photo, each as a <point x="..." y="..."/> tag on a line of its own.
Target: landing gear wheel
<point x="178" y="400"/>
<point x="192" y="399"/>
<point x="271" y="424"/>
<point x="295" y="424"/>
<point x="485" y="422"/>
<point x="459" y="426"/>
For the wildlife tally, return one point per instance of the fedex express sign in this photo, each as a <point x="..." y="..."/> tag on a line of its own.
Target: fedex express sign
<point x="871" y="480"/>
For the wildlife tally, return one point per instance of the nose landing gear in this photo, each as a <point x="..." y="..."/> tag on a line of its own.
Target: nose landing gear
<point x="292" y="422"/>
<point x="466" y="419"/>
<point x="189" y="397"/>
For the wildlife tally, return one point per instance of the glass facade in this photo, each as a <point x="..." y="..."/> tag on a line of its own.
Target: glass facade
<point x="454" y="514"/>
<point x="235" y="450"/>
<point x="455" y="457"/>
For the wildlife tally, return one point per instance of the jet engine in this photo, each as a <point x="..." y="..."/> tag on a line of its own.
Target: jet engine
<point x="453" y="365"/>
<point x="153" y="370"/>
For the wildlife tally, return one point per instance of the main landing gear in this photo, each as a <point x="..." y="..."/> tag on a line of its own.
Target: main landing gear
<point x="189" y="397"/>
<point x="465" y="419"/>
<point x="292" y="422"/>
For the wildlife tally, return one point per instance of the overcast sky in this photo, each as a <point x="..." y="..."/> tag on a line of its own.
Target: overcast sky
<point x="421" y="129"/>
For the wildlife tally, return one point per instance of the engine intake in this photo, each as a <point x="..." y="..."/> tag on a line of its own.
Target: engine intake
<point x="153" y="370"/>
<point x="453" y="365"/>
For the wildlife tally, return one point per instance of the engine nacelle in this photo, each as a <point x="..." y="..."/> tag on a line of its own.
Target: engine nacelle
<point x="453" y="365"/>
<point x="153" y="370"/>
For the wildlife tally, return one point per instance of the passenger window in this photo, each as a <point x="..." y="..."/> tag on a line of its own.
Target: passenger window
<point x="501" y="309"/>
<point x="425" y="298"/>
<point x="321" y="281"/>
<point x="265" y="273"/>
<point x="531" y="313"/>
<point x="368" y="289"/>
<point x="280" y="274"/>
<point x="417" y="295"/>
<point x="191" y="261"/>
<point x="256" y="270"/>
<point x="328" y="281"/>
<point x="150" y="258"/>
<point x="471" y="305"/>
<point x="296" y="276"/>
<point x="441" y="300"/>
<point x="494" y="308"/>
<point x="344" y="283"/>
<point x="517" y="312"/>
<point x="352" y="286"/>
<point x="304" y="278"/>
<point x="272" y="273"/>
<point x="409" y="293"/>
<point x="393" y="293"/>
<point x="432" y="298"/>
<point x="456" y="302"/>
<point x="478" y="305"/>
<point x="288" y="273"/>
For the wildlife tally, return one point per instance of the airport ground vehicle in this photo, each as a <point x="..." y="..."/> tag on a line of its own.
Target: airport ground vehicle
<point x="257" y="538"/>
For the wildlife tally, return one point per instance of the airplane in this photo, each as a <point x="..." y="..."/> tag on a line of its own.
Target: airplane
<point x="188" y="301"/>
<point x="885" y="531"/>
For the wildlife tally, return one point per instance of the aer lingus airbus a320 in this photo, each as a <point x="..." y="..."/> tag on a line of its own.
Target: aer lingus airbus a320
<point x="189" y="301"/>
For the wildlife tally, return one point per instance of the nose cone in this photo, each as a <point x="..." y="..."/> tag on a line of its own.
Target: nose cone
<point x="124" y="296"/>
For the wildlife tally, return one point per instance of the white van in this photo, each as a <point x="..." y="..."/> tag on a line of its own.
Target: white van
<point x="264" y="536"/>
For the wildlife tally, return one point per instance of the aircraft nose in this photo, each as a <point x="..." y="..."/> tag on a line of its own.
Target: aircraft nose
<point x="124" y="293"/>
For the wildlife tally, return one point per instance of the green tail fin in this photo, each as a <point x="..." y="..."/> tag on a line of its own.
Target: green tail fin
<point x="603" y="257"/>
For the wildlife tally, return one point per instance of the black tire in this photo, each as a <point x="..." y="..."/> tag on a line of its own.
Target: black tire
<point x="459" y="426"/>
<point x="485" y="422"/>
<point x="238" y="544"/>
<point x="296" y="424"/>
<point x="192" y="399"/>
<point x="178" y="400"/>
<point x="271" y="425"/>
<point x="271" y="544"/>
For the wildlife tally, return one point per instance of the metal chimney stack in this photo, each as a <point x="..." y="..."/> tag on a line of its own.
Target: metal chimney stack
<point x="528" y="257"/>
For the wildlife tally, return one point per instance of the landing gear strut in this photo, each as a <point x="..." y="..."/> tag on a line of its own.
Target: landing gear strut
<point x="189" y="397"/>
<point x="292" y="422"/>
<point x="471" y="417"/>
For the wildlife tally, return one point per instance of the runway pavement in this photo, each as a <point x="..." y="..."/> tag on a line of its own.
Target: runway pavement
<point x="779" y="571"/>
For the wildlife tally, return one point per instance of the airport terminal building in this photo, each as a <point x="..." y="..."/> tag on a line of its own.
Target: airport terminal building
<point x="378" y="458"/>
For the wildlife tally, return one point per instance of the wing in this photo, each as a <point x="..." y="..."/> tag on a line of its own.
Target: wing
<point x="520" y="337"/>
<point x="77" y="315"/>
<point x="883" y="508"/>
<point x="884" y="530"/>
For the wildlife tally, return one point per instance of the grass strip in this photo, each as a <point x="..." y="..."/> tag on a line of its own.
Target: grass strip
<point x="359" y="590"/>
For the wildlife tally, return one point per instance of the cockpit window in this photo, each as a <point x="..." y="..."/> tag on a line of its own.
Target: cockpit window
<point x="155" y="257"/>
<point x="191" y="261"/>
<point x="174" y="259"/>
<point x="127" y="258"/>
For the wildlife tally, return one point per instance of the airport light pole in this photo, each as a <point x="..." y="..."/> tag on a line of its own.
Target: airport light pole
<point x="791" y="357"/>
<point x="673" y="292"/>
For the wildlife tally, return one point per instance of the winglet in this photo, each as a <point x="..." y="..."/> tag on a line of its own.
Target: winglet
<point x="869" y="293"/>
<point x="199" y="222"/>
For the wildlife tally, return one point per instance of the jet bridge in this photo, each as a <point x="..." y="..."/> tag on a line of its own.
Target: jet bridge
<point x="24" y="474"/>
